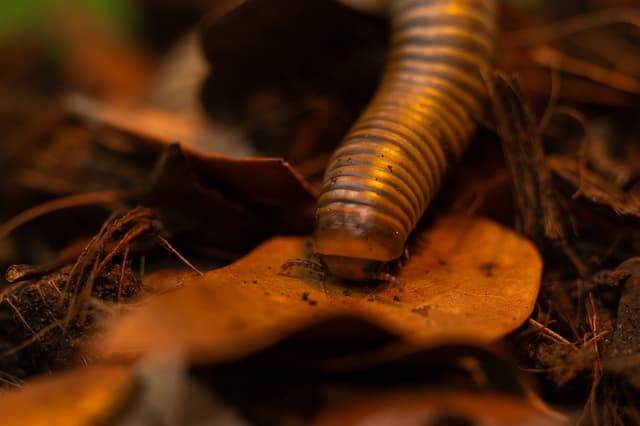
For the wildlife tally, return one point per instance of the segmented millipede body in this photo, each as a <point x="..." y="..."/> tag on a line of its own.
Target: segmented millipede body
<point x="393" y="160"/>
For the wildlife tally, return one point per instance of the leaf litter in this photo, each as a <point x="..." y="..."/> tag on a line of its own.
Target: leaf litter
<point x="568" y="341"/>
<point x="467" y="279"/>
<point x="76" y="398"/>
<point x="57" y="305"/>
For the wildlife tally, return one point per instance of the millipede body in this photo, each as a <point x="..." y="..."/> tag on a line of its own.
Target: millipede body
<point x="393" y="160"/>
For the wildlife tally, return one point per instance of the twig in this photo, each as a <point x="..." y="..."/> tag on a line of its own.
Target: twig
<point x="571" y="26"/>
<point x="550" y="333"/>
<point x="77" y="200"/>
<point x="167" y="246"/>
<point x="554" y="58"/>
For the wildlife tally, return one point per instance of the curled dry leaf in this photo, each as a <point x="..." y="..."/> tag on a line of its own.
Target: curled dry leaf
<point x="205" y="214"/>
<point x="278" y="180"/>
<point x="149" y="123"/>
<point x="468" y="279"/>
<point x="429" y="408"/>
<point x="80" y="397"/>
<point x="593" y="187"/>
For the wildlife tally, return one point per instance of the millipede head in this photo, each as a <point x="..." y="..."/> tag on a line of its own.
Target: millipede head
<point x="350" y="268"/>
<point x="389" y="278"/>
<point x="354" y="243"/>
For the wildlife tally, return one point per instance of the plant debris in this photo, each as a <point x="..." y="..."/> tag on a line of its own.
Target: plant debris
<point x="55" y="306"/>
<point x="446" y="297"/>
<point x="155" y="179"/>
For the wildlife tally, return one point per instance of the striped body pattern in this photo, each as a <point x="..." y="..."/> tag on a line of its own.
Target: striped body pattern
<point x="393" y="160"/>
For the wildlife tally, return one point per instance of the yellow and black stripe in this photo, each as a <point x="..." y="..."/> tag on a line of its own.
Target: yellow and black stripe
<point x="383" y="176"/>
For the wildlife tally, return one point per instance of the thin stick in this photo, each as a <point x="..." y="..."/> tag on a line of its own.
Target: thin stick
<point x="19" y="314"/>
<point x="571" y="26"/>
<point x="175" y="252"/>
<point x="122" y="270"/>
<point x="32" y="339"/>
<point x="553" y="58"/>
<point x="76" y="200"/>
<point x="550" y="333"/>
<point x="553" y="101"/>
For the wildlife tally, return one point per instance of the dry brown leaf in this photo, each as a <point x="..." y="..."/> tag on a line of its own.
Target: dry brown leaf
<point x="430" y="408"/>
<point x="593" y="187"/>
<point x="278" y="180"/>
<point x="205" y="215"/>
<point x="469" y="279"/>
<point x="80" y="397"/>
<point x="149" y="123"/>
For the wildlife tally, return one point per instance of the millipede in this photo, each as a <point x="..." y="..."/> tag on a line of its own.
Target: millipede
<point x="387" y="169"/>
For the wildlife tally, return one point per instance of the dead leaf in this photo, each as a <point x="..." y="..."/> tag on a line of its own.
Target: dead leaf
<point x="158" y="129"/>
<point x="431" y="408"/>
<point x="158" y="388"/>
<point x="593" y="187"/>
<point x="80" y="397"/>
<point x="469" y="279"/>
<point x="205" y="215"/>
<point x="149" y="123"/>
